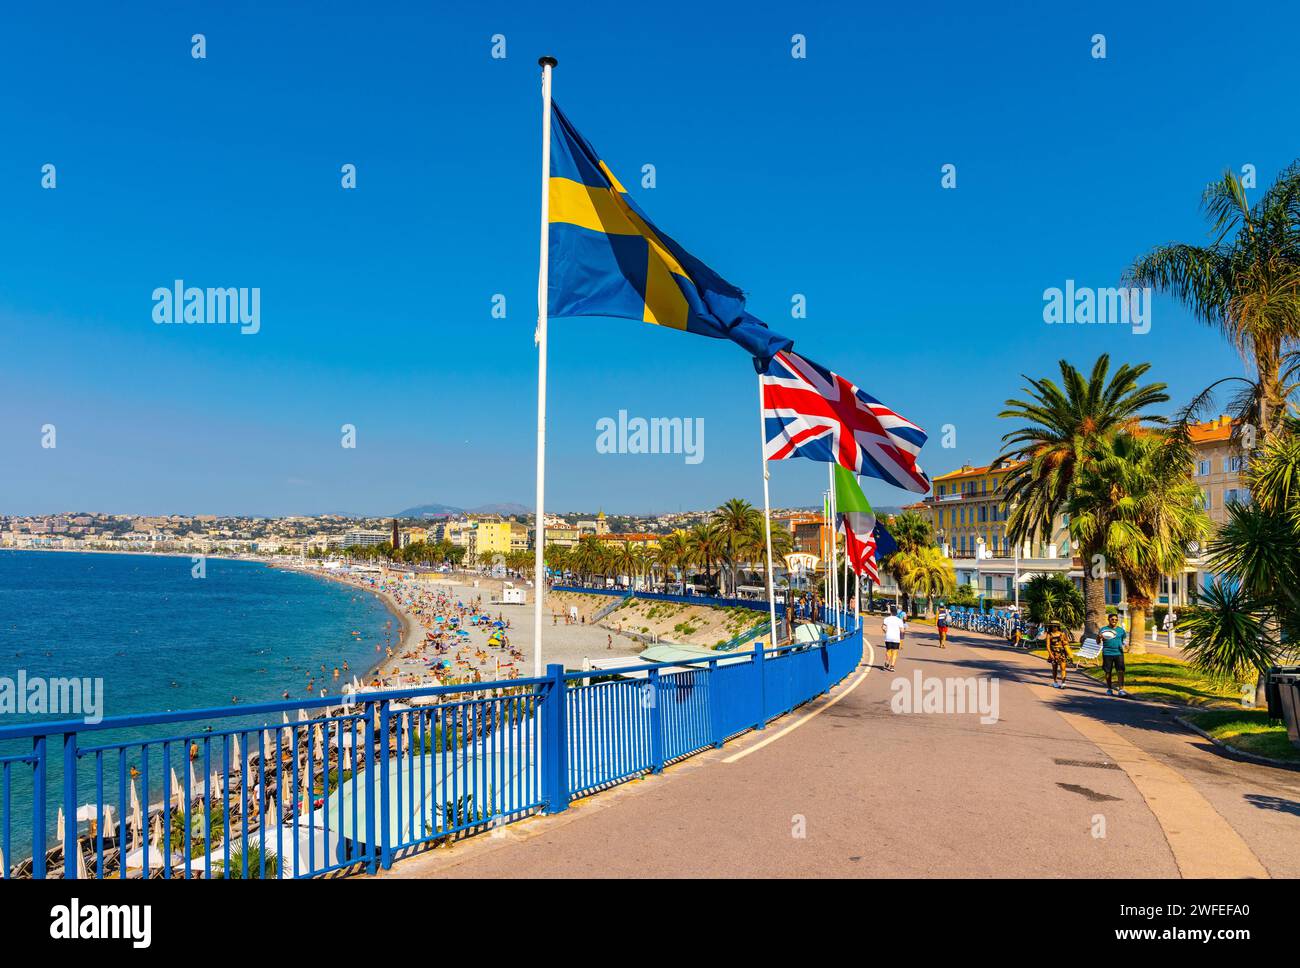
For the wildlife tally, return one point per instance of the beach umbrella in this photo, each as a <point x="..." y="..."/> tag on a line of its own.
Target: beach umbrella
<point x="59" y="829"/>
<point x="268" y="751"/>
<point x="236" y="760"/>
<point x="136" y="822"/>
<point x="81" y="862"/>
<point x="177" y="792"/>
<point x="194" y="783"/>
<point x="91" y="812"/>
<point x="284" y="718"/>
<point x="159" y="855"/>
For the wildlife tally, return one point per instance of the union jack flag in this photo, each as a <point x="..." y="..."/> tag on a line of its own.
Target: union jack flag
<point x="808" y="411"/>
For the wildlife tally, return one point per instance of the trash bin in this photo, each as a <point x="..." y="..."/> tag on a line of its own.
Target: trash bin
<point x="1287" y="686"/>
<point x="1272" y="692"/>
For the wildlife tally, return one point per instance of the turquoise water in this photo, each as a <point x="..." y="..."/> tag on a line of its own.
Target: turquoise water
<point x="163" y="640"/>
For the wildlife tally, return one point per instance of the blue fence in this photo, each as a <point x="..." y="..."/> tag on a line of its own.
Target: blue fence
<point x="351" y="783"/>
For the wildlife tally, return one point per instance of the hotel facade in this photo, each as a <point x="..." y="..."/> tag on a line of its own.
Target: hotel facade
<point x="967" y="509"/>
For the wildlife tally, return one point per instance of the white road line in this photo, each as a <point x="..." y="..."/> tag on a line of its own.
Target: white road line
<point x="871" y="659"/>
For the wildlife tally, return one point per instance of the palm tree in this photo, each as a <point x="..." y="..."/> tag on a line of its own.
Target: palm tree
<point x="926" y="572"/>
<point x="735" y="520"/>
<point x="910" y="530"/>
<point x="623" y="560"/>
<point x="1053" y="598"/>
<point x="1062" y="423"/>
<point x="1246" y="282"/>
<point x="1228" y="635"/>
<point x="708" y="545"/>
<point x="1135" y="499"/>
<point x="1256" y="553"/>
<point x="676" y="551"/>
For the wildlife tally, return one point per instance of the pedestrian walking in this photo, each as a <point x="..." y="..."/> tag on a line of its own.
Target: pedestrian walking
<point x="894" y="628"/>
<point x="1058" y="653"/>
<point x="1113" y="646"/>
<point x="942" y="622"/>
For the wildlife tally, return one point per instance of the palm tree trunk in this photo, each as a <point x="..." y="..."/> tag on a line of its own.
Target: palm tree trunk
<point x="1139" y="608"/>
<point x="1094" y="597"/>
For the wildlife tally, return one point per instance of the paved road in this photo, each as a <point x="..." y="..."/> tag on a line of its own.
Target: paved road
<point x="1063" y="784"/>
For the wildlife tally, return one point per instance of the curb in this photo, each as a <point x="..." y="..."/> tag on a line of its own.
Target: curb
<point x="1252" y="757"/>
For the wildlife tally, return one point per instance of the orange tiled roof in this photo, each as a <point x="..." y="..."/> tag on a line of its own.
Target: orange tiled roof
<point x="974" y="471"/>
<point x="1220" y="428"/>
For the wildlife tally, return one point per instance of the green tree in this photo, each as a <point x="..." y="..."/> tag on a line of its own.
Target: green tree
<point x="1135" y="500"/>
<point x="677" y="552"/>
<point x="1251" y="616"/>
<point x="926" y="573"/>
<point x="1053" y="598"/>
<point x="736" y="521"/>
<point x="1061" y="424"/>
<point x="1245" y="282"/>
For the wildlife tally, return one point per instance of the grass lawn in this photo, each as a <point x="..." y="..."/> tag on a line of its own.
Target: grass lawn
<point x="1249" y="730"/>
<point x="1165" y="679"/>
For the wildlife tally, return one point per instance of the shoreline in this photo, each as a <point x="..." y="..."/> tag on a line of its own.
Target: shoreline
<point x="409" y="637"/>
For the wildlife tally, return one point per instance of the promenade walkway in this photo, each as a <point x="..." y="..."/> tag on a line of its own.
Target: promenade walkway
<point x="1064" y="784"/>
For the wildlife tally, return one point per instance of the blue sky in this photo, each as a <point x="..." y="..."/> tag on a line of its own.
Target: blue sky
<point x="818" y="176"/>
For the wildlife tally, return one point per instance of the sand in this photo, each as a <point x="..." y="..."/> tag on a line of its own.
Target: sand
<point x="416" y="602"/>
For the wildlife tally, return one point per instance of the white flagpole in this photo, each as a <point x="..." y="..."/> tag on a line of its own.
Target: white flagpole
<point x="539" y="523"/>
<point x="834" y="583"/>
<point x="767" y="514"/>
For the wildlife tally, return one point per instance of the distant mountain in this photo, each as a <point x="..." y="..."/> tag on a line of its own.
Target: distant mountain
<point x="429" y="511"/>
<point x="504" y="508"/>
<point x="447" y="510"/>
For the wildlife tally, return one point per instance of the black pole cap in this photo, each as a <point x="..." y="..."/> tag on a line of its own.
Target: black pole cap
<point x="547" y="61"/>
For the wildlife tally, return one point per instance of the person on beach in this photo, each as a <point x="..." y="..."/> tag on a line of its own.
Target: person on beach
<point x="1113" y="637"/>
<point x="1058" y="653"/>
<point x="894" y="628"/>
<point x="942" y="623"/>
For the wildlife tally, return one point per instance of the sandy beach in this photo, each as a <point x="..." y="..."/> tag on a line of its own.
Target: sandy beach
<point x="455" y="630"/>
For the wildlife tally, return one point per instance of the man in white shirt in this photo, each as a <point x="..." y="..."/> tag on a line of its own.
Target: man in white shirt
<point x="894" y="628"/>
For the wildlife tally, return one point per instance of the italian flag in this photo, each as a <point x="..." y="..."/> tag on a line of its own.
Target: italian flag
<point x="857" y="522"/>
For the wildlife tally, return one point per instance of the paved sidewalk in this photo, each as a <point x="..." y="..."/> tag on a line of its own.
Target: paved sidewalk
<point x="846" y="787"/>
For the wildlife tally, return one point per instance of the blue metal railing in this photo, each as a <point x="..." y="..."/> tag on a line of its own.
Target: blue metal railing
<point x="351" y="783"/>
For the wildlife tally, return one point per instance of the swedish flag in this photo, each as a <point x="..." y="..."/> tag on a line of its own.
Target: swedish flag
<point x="608" y="259"/>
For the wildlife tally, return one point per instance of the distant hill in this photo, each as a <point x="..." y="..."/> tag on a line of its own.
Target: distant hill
<point x="429" y="511"/>
<point x="504" y="508"/>
<point x="447" y="510"/>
